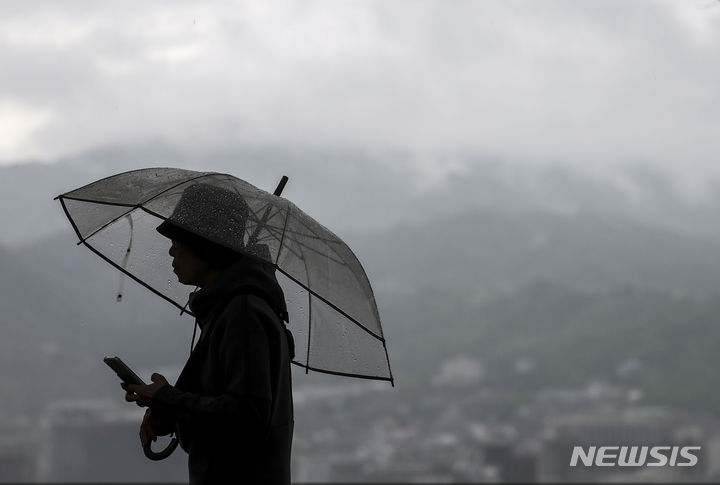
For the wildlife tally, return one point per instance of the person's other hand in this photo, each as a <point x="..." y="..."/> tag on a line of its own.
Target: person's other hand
<point x="152" y="427"/>
<point x="142" y="395"/>
<point x="147" y="428"/>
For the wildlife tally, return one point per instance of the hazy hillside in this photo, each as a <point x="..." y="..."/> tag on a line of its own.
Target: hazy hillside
<point x="662" y="345"/>
<point x="460" y="285"/>
<point x="483" y="253"/>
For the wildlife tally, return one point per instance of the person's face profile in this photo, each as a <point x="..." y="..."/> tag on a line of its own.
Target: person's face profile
<point x="187" y="265"/>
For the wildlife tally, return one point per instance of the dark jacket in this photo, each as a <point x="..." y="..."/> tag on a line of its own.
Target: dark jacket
<point x="233" y="399"/>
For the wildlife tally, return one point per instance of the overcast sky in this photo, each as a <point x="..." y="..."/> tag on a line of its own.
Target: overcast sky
<point x="591" y="83"/>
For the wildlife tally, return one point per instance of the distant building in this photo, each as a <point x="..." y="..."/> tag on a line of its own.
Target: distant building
<point x="97" y="441"/>
<point x="17" y="462"/>
<point x="18" y="450"/>
<point x="512" y="466"/>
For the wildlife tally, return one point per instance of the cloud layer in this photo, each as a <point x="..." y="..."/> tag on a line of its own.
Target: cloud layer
<point x="591" y="83"/>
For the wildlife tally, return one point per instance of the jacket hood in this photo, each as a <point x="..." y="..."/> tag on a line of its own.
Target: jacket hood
<point x="246" y="276"/>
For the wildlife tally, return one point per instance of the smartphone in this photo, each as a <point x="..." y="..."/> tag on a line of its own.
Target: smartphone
<point x="123" y="371"/>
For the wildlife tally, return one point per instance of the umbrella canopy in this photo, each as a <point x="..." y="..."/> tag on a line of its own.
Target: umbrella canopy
<point x="333" y="314"/>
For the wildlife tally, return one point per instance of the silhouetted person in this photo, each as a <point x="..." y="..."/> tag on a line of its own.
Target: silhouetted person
<point x="232" y="403"/>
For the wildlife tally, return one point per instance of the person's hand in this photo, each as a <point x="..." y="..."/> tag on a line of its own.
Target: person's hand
<point x="152" y="427"/>
<point x="142" y="395"/>
<point x="147" y="428"/>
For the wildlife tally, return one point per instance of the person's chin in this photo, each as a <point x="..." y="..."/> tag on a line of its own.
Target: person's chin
<point x="180" y="279"/>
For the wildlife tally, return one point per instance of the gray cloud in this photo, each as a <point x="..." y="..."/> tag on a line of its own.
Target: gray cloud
<point x="588" y="83"/>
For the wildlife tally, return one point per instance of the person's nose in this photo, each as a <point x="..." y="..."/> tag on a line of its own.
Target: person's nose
<point x="171" y="251"/>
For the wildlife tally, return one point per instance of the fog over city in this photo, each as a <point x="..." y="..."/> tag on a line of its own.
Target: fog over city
<point x="532" y="188"/>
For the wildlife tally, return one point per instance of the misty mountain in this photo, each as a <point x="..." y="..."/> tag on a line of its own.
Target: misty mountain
<point x="483" y="253"/>
<point x="545" y="336"/>
<point x="462" y="284"/>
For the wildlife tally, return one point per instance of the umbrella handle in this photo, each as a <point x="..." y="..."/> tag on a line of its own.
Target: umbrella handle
<point x="160" y="455"/>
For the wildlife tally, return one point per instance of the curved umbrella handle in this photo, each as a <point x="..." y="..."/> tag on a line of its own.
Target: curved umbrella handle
<point x="160" y="455"/>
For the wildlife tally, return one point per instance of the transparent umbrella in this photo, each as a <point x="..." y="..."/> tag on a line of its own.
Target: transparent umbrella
<point x="333" y="314"/>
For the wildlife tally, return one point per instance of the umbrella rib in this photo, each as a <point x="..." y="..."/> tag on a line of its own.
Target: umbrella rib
<point x="315" y="236"/>
<point x="251" y="212"/>
<point x="387" y="359"/>
<point x="309" y="236"/>
<point x="135" y="278"/>
<point x="312" y="236"/>
<point x="268" y="228"/>
<point x="344" y="263"/>
<point x="109" y="223"/>
<point x="344" y="374"/>
<point x="83" y="239"/>
<point x="295" y="253"/>
<point x="81" y="199"/>
<point x="307" y="355"/>
<point x="100" y="180"/>
<point x="72" y="222"/>
<point x="274" y="231"/>
<point x="307" y="348"/>
<point x="260" y="223"/>
<point x="254" y="216"/>
<point x="256" y="219"/>
<point x="204" y="174"/>
<point x="332" y="305"/>
<point x="282" y="236"/>
<point x="110" y="177"/>
<point x="310" y="248"/>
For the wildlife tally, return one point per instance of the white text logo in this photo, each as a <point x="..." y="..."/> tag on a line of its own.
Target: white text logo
<point x="609" y="456"/>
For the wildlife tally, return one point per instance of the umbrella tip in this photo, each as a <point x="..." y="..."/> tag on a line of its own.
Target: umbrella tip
<point x="281" y="185"/>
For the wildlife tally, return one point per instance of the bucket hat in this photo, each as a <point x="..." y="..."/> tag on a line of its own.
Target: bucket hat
<point x="211" y="220"/>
